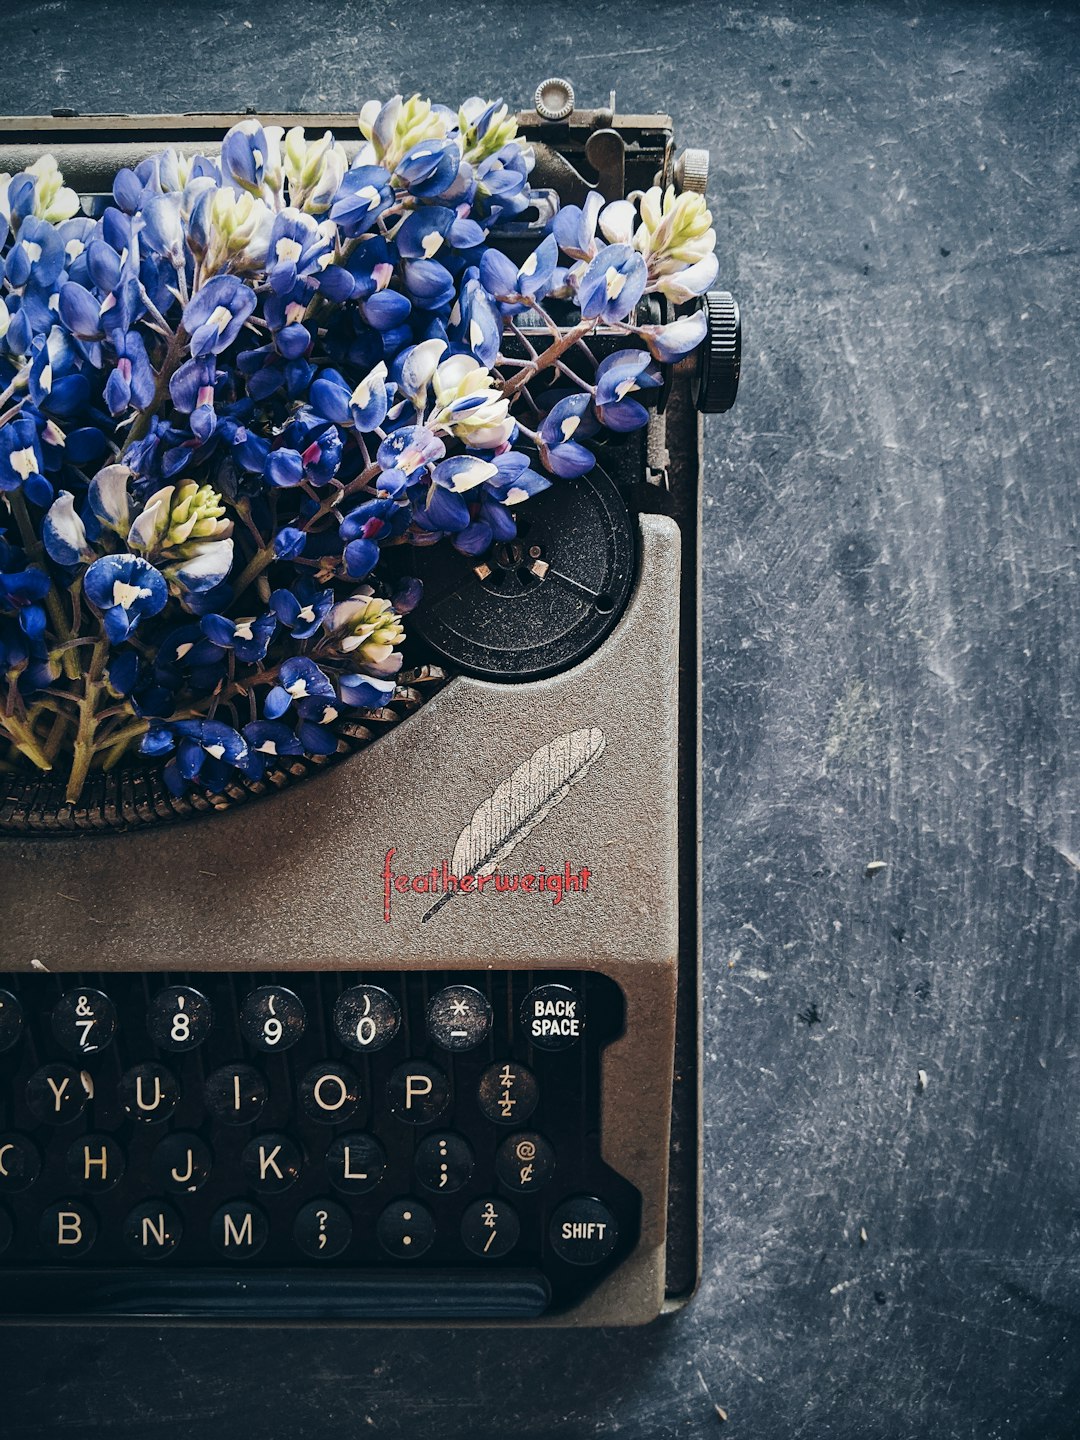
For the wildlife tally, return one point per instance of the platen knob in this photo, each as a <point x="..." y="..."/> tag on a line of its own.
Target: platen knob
<point x="716" y="382"/>
<point x="692" y="171"/>
<point x="554" y="98"/>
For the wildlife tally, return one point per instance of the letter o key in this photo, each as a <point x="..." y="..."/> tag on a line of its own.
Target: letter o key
<point x="330" y="1093"/>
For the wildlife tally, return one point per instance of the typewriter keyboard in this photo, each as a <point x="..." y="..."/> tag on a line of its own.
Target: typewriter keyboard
<point x="383" y="1145"/>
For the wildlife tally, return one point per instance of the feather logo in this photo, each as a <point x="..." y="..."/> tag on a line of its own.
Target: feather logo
<point x="520" y="803"/>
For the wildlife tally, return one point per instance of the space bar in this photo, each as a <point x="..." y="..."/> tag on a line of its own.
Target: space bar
<point x="277" y="1295"/>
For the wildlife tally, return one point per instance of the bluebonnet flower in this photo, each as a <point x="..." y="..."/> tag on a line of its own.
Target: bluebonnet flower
<point x="561" y="453"/>
<point x="300" y="679"/>
<point x="267" y="740"/>
<point x="21" y="461"/>
<point x="298" y="248"/>
<point x="618" y="377"/>
<point x="302" y="608"/>
<point x="669" y="343"/>
<point x="251" y="157"/>
<point x="63" y="533"/>
<point x="249" y="639"/>
<point x="574" y="227"/>
<point x="314" y="169"/>
<point x="214" y="316"/>
<point x="514" y="286"/>
<point x="364" y="193"/>
<point x="612" y="284"/>
<point x="132" y="382"/>
<point x="207" y="751"/>
<point x="124" y="589"/>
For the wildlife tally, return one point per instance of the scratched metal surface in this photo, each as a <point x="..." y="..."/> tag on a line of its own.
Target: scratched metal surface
<point x="891" y="674"/>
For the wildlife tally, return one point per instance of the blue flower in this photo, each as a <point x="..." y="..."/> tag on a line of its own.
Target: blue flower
<point x="123" y="589"/>
<point x="207" y="751"/>
<point x="574" y="227"/>
<point x="303" y="608"/>
<point x="362" y="197"/>
<point x="214" y="316"/>
<point x="669" y="343"/>
<point x="132" y="381"/>
<point x="248" y="639"/>
<point x="618" y="376"/>
<point x="63" y="534"/>
<point x="560" y="452"/>
<point x="366" y="692"/>
<point x="298" y="245"/>
<point x="612" y="284"/>
<point x="429" y="167"/>
<point x="21" y="460"/>
<point x="476" y="322"/>
<point x="300" y="679"/>
<point x="266" y="741"/>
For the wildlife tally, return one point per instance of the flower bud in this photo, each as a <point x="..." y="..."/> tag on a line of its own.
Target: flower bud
<point x="367" y="628"/>
<point x="240" y="228"/>
<point x="53" y="200"/>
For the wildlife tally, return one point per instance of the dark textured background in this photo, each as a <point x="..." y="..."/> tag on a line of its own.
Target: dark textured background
<point x="891" y="674"/>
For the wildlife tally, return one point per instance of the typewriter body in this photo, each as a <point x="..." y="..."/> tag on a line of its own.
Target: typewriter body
<point x="304" y="1073"/>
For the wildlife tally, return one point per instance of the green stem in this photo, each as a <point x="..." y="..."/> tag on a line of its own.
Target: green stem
<point x="23" y="738"/>
<point x="84" y="738"/>
<point x="254" y="568"/>
<point x="35" y="551"/>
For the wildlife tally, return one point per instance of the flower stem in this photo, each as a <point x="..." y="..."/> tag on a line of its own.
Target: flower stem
<point x="84" y="737"/>
<point x="23" y="738"/>
<point x="548" y="357"/>
<point x="170" y="364"/>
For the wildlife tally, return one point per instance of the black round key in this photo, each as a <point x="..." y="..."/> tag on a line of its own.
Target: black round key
<point x="583" y="1230"/>
<point x="149" y="1092"/>
<point x="330" y="1093"/>
<point x="355" y="1163"/>
<point x="490" y="1228"/>
<point x="322" y="1229"/>
<point x="508" y="1093"/>
<point x="179" y="1018"/>
<point x="366" y="1017"/>
<point x="94" y="1162"/>
<point x="20" y="1164"/>
<point x="239" y="1230"/>
<point x="444" y="1162"/>
<point x="405" y="1229"/>
<point x="272" y="1162"/>
<point x="181" y="1163"/>
<point x="6" y="1229"/>
<point x="418" y="1092"/>
<point x="459" y="1017"/>
<point x="524" y="1162"/>
<point x="235" y="1093"/>
<point x="272" y="1018"/>
<point x="67" y="1229"/>
<point x="11" y="1020"/>
<point x="84" y="1021"/>
<point x="552" y="1017"/>
<point x="56" y="1094"/>
<point x="152" y="1230"/>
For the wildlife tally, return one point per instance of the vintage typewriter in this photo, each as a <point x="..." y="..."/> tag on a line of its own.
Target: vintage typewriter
<point x="390" y="1096"/>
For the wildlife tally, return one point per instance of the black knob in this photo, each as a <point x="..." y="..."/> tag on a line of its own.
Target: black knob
<point x="720" y="355"/>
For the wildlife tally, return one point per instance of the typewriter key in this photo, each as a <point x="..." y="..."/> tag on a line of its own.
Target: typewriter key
<point x="56" y="1094"/>
<point x="181" y="1163"/>
<point x="67" y="1230"/>
<point x="94" y="1162"/>
<point x="508" y="1093"/>
<point x="235" y="1093"/>
<point x="149" y="1092"/>
<point x="84" y="1021"/>
<point x="355" y="1163"/>
<point x="583" y="1231"/>
<point x="366" y="1017"/>
<point x="179" y="1018"/>
<point x="524" y="1162"/>
<point x="418" y="1092"/>
<point x="538" y="603"/>
<point x="405" y="1229"/>
<point x="11" y="1020"/>
<point x="552" y="1016"/>
<point x="272" y="1162"/>
<point x="322" y="1229"/>
<point x="20" y="1163"/>
<point x="152" y="1230"/>
<point x="239" y="1230"/>
<point x="272" y="1018"/>
<point x="444" y="1162"/>
<point x="458" y="1017"/>
<point x="330" y="1093"/>
<point x="490" y="1228"/>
